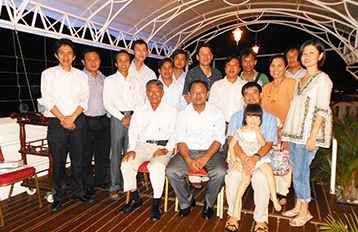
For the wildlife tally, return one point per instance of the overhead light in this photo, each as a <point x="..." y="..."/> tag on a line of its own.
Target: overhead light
<point x="237" y="35"/>
<point x="256" y="48"/>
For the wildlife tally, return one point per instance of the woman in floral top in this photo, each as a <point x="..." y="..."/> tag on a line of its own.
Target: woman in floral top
<point x="308" y="126"/>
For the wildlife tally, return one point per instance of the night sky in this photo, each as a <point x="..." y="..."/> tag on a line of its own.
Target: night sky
<point x="38" y="55"/>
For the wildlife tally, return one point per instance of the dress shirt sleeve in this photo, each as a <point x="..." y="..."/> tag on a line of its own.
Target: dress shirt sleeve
<point x="108" y="101"/>
<point x="180" y="127"/>
<point x="84" y="92"/>
<point x="235" y="123"/>
<point x="182" y="103"/>
<point x="220" y="127"/>
<point x="47" y="99"/>
<point x="324" y="95"/>
<point x="270" y="129"/>
<point x="133" y="131"/>
<point x="214" y="95"/>
<point x="172" y="141"/>
<point x="139" y="95"/>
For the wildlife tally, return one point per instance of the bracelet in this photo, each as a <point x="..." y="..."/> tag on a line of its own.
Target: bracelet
<point x="258" y="156"/>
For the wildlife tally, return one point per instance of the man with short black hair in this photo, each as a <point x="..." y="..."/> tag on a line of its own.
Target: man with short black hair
<point x="248" y="63"/>
<point x="180" y="59"/>
<point x="137" y="68"/>
<point x="200" y="133"/>
<point x="252" y="94"/>
<point x="121" y="95"/>
<point x="151" y="138"/>
<point x="98" y="138"/>
<point x="172" y="88"/>
<point x="203" y="71"/>
<point x="65" y="96"/>
<point x="295" y="69"/>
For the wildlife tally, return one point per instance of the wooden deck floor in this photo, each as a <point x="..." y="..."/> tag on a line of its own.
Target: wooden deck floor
<point x="23" y="214"/>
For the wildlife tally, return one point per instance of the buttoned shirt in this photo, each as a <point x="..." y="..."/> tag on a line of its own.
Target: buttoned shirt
<point x="263" y="80"/>
<point x="121" y="94"/>
<point x="144" y="75"/>
<point x="227" y="96"/>
<point x="173" y="94"/>
<point x="95" y="103"/>
<point x="199" y="131"/>
<point x="147" y="124"/>
<point x="269" y="125"/>
<point x="299" y="74"/>
<point x="198" y="74"/>
<point x="65" y="90"/>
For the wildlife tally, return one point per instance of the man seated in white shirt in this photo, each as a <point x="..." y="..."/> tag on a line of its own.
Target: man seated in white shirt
<point x="172" y="88"/>
<point x="151" y="138"/>
<point x="121" y="95"/>
<point x="200" y="133"/>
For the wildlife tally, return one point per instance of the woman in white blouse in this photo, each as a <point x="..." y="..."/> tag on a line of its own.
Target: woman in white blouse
<point x="308" y="126"/>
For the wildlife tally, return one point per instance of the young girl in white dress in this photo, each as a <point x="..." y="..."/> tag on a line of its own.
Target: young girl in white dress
<point x="250" y="138"/>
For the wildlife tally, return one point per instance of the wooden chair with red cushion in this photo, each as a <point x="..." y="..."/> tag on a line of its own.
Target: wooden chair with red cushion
<point x="144" y="169"/>
<point x="13" y="177"/>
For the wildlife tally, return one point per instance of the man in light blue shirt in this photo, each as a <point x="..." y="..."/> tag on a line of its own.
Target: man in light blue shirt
<point x="180" y="59"/>
<point x="252" y="94"/>
<point x="172" y="88"/>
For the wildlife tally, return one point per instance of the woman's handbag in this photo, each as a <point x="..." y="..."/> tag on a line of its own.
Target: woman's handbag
<point x="279" y="161"/>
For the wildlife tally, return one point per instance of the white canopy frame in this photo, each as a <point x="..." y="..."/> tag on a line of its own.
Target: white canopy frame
<point x="170" y="24"/>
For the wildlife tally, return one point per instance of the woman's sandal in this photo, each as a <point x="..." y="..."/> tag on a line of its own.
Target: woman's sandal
<point x="232" y="224"/>
<point x="299" y="222"/>
<point x="114" y="195"/>
<point x="260" y="227"/>
<point x="291" y="213"/>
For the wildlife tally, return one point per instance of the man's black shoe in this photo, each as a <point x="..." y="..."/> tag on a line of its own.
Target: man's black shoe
<point x="132" y="205"/>
<point x="56" y="206"/>
<point x="207" y="211"/>
<point x="91" y="192"/>
<point x="103" y="186"/>
<point x="155" y="215"/>
<point x="84" y="199"/>
<point x="185" y="212"/>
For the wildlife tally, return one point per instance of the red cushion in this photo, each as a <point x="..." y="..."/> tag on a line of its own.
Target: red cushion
<point x="143" y="167"/>
<point x="202" y="172"/>
<point x="16" y="175"/>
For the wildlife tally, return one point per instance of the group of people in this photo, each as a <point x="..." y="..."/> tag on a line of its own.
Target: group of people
<point x="140" y="118"/>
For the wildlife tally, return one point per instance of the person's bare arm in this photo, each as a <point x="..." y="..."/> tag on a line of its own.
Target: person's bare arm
<point x="184" y="152"/>
<point x="213" y="149"/>
<point x="311" y="141"/>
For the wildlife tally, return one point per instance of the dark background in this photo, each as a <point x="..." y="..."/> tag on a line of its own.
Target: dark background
<point x="37" y="52"/>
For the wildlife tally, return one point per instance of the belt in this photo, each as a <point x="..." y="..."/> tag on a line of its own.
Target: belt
<point x="158" y="142"/>
<point x="127" y="114"/>
<point x="95" y="117"/>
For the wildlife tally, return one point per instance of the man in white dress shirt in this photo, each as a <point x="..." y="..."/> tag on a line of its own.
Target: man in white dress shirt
<point x="295" y="69"/>
<point x="121" y="95"/>
<point x="172" y="88"/>
<point x="65" y="96"/>
<point x="226" y="93"/>
<point x="151" y="138"/>
<point x="180" y="59"/>
<point x="98" y="137"/>
<point x="137" y="68"/>
<point x="200" y="132"/>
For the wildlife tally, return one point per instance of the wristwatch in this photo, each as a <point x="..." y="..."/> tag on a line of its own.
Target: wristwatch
<point x="258" y="156"/>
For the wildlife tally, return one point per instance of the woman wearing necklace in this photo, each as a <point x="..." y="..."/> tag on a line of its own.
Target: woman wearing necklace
<point x="276" y="100"/>
<point x="308" y="126"/>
